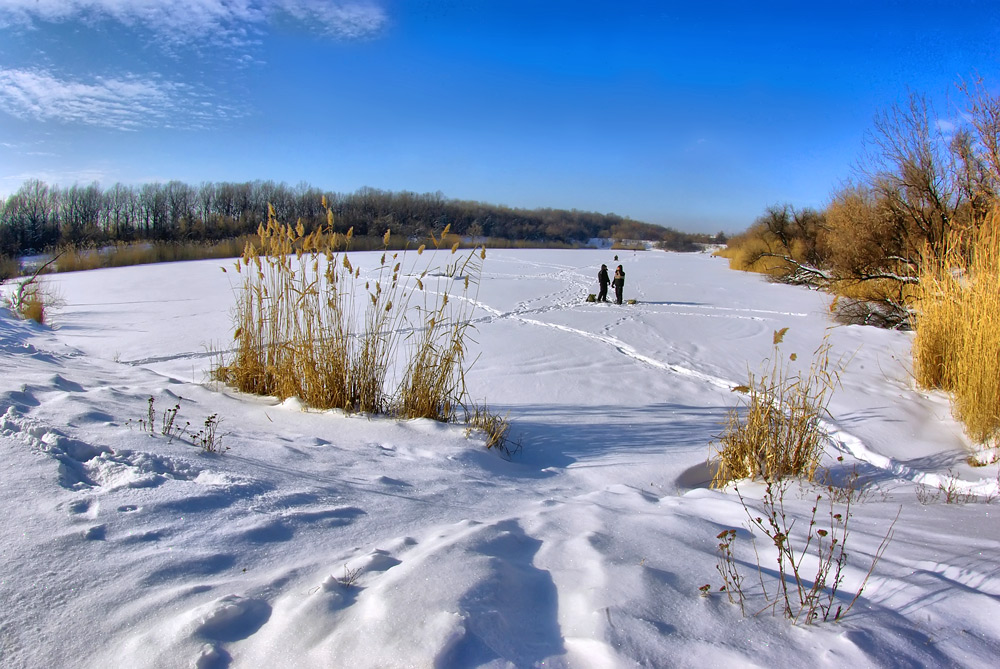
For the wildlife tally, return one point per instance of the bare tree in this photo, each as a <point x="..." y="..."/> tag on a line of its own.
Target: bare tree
<point x="983" y="111"/>
<point x="908" y="167"/>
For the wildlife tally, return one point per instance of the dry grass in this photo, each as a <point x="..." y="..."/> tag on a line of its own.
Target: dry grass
<point x="748" y="254"/>
<point x="779" y="434"/>
<point x="494" y="426"/>
<point x="33" y="304"/>
<point x="957" y="344"/>
<point x="74" y="259"/>
<point x="309" y="325"/>
<point x="9" y="268"/>
<point x="434" y="377"/>
<point x="32" y="298"/>
<point x="621" y="245"/>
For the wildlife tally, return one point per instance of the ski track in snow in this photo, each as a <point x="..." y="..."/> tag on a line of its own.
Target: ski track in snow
<point x="838" y="438"/>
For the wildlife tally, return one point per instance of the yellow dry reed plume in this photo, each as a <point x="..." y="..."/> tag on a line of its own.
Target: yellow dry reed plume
<point x="304" y="328"/>
<point x="780" y="432"/>
<point x="285" y="343"/>
<point x="957" y="342"/>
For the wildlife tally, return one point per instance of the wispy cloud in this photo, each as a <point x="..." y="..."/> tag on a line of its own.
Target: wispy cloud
<point x="10" y="183"/>
<point x="123" y="103"/>
<point x="178" y="27"/>
<point x="225" y="22"/>
<point x="341" y="20"/>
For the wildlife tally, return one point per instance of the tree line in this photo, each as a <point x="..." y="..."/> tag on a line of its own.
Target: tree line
<point x="40" y="217"/>
<point x="923" y="182"/>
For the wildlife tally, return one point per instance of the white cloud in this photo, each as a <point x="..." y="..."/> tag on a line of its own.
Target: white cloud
<point x="946" y="126"/>
<point x="130" y="102"/>
<point x="220" y="21"/>
<point x="124" y="103"/>
<point x="346" y="20"/>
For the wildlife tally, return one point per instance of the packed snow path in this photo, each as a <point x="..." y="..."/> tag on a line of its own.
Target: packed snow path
<point x="324" y="540"/>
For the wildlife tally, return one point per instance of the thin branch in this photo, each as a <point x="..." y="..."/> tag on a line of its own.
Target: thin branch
<point x="18" y="298"/>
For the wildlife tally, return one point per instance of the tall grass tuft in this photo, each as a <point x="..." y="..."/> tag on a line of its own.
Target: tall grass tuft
<point x="495" y="427"/>
<point x="780" y="432"/>
<point x="310" y="325"/>
<point x="957" y="343"/>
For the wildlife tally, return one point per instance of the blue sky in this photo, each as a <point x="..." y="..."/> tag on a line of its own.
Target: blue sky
<point x="696" y="115"/>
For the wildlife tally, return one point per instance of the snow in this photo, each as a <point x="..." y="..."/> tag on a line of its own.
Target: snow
<point x="320" y="539"/>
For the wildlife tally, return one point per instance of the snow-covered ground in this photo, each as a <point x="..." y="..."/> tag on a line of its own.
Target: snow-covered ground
<point x="587" y="549"/>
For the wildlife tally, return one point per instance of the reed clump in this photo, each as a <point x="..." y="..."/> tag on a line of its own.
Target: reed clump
<point x="779" y="433"/>
<point x="123" y="254"/>
<point x="957" y="342"/>
<point x="311" y="323"/>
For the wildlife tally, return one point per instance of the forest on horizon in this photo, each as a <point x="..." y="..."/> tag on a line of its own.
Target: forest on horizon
<point x="39" y="217"/>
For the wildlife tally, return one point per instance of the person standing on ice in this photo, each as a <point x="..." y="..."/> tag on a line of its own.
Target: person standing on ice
<point x="619" y="284"/>
<point x="603" y="280"/>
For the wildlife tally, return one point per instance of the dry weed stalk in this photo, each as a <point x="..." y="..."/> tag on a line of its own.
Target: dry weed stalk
<point x="207" y="438"/>
<point x="951" y="491"/>
<point x="811" y="565"/>
<point x="780" y="433"/>
<point x="957" y="343"/>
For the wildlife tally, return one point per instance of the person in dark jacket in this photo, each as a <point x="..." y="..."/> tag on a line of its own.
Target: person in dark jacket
<point x="603" y="280"/>
<point x="619" y="283"/>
